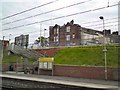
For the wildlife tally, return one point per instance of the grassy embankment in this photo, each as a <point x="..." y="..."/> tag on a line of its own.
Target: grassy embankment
<point x="83" y="56"/>
<point x="13" y="58"/>
<point x="88" y="56"/>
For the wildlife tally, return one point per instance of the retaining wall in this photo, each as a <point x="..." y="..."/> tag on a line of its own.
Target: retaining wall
<point x="91" y="72"/>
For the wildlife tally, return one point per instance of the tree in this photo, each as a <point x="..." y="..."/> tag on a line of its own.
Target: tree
<point x="43" y="41"/>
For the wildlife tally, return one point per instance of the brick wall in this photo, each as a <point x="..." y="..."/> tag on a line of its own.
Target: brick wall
<point x="45" y="72"/>
<point x="85" y="72"/>
<point x="5" y="67"/>
<point x="62" y="34"/>
<point x="90" y="72"/>
<point x="48" y="52"/>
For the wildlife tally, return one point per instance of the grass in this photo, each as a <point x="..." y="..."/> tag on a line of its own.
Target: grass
<point x="82" y="56"/>
<point x="13" y="58"/>
<point x="88" y="56"/>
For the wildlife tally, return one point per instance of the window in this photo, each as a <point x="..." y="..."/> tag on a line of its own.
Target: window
<point x="68" y="29"/>
<point x="54" y="30"/>
<point x="67" y="37"/>
<point x="56" y="39"/>
<point x="68" y="44"/>
<point x="73" y="43"/>
<point x="56" y="44"/>
<point x="73" y="36"/>
<point x="57" y="30"/>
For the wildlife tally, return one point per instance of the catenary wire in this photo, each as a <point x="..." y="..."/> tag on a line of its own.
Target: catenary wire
<point x="28" y="10"/>
<point x="101" y="24"/>
<point x="46" y="12"/>
<point x="60" y="17"/>
<point x="99" y="20"/>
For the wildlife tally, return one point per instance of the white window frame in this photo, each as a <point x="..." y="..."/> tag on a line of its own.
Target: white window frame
<point x="54" y="30"/>
<point x="68" y="29"/>
<point x="57" y="30"/>
<point x="67" y="37"/>
<point x="54" y="39"/>
<point x="57" y="39"/>
<point x="73" y="36"/>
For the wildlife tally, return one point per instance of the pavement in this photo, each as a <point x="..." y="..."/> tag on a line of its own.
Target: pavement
<point x="81" y="82"/>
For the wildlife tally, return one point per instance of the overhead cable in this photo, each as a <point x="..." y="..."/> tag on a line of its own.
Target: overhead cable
<point x="96" y="9"/>
<point x="28" y="10"/>
<point x="99" y="20"/>
<point x="46" y="12"/>
<point x="101" y="23"/>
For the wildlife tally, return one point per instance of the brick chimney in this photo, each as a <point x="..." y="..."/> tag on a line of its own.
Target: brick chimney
<point x="72" y="22"/>
<point x="107" y="32"/>
<point x="115" y="33"/>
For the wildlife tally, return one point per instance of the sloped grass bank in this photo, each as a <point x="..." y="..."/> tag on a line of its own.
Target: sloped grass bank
<point x="88" y="56"/>
<point x="14" y="58"/>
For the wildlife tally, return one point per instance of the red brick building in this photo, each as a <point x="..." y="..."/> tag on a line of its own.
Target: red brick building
<point x="71" y="34"/>
<point x="66" y="35"/>
<point x="6" y="43"/>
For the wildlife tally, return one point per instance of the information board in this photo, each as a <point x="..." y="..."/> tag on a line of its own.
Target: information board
<point x="46" y="63"/>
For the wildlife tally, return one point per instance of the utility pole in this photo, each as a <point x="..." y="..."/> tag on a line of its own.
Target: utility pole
<point x="40" y="34"/>
<point x="9" y="38"/>
<point x="3" y="42"/>
<point x="44" y="36"/>
<point x="104" y="50"/>
<point x="2" y="46"/>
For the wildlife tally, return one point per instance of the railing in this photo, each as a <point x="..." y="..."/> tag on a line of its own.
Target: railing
<point x="25" y="52"/>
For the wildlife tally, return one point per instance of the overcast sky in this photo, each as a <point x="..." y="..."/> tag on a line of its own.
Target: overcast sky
<point x="9" y="7"/>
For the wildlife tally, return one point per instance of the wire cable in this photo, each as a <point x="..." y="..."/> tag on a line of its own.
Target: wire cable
<point x="100" y="24"/>
<point x="46" y="12"/>
<point x="96" y="9"/>
<point x="107" y="26"/>
<point x="28" y="10"/>
<point x="99" y="20"/>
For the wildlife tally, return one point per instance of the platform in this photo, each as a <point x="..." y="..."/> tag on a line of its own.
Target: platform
<point x="81" y="82"/>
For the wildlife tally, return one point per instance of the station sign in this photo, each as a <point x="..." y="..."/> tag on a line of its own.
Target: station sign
<point x="46" y="59"/>
<point x="46" y="63"/>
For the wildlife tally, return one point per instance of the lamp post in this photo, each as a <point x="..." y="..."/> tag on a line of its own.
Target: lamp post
<point x="44" y="36"/>
<point x="9" y="38"/>
<point x="3" y="42"/>
<point x="40" y="34"/>
<point x="104" y="50"/>
<point x="2" y="47"/>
